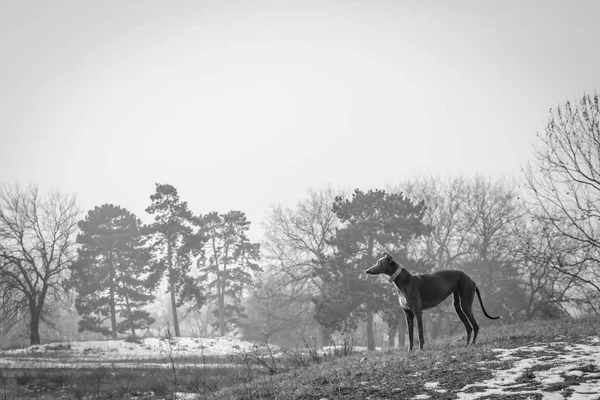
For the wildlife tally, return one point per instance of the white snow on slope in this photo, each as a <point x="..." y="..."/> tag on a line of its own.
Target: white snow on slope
<point x="556" y="370"/>
<point x="90" y="353"/>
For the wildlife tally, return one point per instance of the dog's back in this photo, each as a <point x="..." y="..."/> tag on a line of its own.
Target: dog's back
<point x="443" y="282"/>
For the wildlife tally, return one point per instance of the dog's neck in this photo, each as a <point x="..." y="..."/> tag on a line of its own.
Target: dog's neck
<point x="396" y="273"/>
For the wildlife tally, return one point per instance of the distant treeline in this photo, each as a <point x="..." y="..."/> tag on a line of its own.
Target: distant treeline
<point x="531" y="246"/>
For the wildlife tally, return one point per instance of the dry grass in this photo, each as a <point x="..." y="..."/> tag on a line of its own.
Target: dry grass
<point x="375" y="375"/>
<point x="402" y="375"/>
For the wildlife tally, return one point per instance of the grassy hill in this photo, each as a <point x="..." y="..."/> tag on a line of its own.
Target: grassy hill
<point x="536" y="360"/>
<point x="556" y="359"/>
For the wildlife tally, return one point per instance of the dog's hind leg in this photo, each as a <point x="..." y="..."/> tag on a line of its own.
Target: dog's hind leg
<point x="462" y="316"/>
<point x="466" y="303"/>
<point x="410" y="324"/>
<point x="419" y="315"/>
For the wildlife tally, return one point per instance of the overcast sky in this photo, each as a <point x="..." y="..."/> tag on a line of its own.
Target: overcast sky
<point x="244" y="104"/>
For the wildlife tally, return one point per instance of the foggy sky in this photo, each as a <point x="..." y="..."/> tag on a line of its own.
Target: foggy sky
<point x="240" y="105"/>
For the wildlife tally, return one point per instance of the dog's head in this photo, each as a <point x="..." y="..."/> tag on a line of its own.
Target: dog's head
<point x="385" y="265"/>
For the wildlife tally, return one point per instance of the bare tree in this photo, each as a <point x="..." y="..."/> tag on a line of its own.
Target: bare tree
<point x="296" y="250"/>
<point x="282" y="308"/>
<point x="446" y="201"/>
<point x="543" y="254"/>
<point x="492" y="211"/>
<point x="37" y="245"/>
<point x="563" y="183"/>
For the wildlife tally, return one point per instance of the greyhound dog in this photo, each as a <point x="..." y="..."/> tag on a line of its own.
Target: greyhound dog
<point x="421" y="292"/>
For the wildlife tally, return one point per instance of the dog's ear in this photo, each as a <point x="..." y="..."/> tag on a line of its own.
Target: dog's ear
<point x="388" y="257"/>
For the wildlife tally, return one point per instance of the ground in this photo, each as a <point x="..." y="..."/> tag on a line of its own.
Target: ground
<point x="148" y="352"/>
<point x="536" y="360"/>
<point x="553" y="371"/>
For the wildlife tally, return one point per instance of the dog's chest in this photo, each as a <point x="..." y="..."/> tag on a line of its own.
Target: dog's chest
<point x="402" y="298"/>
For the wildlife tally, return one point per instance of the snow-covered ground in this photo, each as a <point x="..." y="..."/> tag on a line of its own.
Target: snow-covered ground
<point x="126" y="353"/>
<point x="555" y="371"/>
<point x="147" y="352"/>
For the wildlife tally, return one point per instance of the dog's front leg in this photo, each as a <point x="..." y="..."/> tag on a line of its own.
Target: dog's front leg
<point x="410" y="323"/>
<point x="419" y="315"/>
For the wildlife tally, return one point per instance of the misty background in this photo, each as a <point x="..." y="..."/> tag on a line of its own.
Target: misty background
<point x="265" y="113"/>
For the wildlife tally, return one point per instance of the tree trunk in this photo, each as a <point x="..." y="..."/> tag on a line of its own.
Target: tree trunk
<point x="221" y="287"/>
<point x="34" y="327"/>
<point x="323" y="336"/>
<point x="402" y="335"/>
<point x="172" y="290"/>
<point x="113" y="313"/>
<point x="432" y="331"/>
<point x="129" y="310"/>
<point x="174" y="308"/>
<point x="370" y="334"/>
<point x="221" y="307"/>
<point x="324" y="332"/>
<point x="111" y="289"/>
<point x="392" y="335"/>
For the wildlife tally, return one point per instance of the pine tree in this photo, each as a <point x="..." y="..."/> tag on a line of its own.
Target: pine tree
<point x="111" y="274"/>
<point x="176" y="241"/>
<point x="231" y="260"/>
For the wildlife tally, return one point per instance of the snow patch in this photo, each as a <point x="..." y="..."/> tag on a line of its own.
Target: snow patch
<point x="526" y="371"/>
<point x="77" y="354"/>
<point x="431" y="385"/>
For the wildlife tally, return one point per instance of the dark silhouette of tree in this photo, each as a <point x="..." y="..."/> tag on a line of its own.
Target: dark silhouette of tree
<point x="37" y="245"/>
<point x="176" y="241"/>
<point x="111" y="275"/>
<point x="231" y="260"/>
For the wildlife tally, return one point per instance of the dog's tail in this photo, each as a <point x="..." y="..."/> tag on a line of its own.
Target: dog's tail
<point x="481" y="302"/>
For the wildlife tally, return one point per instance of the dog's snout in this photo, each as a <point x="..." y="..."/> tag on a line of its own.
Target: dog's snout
<point x="372" y="270"/>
